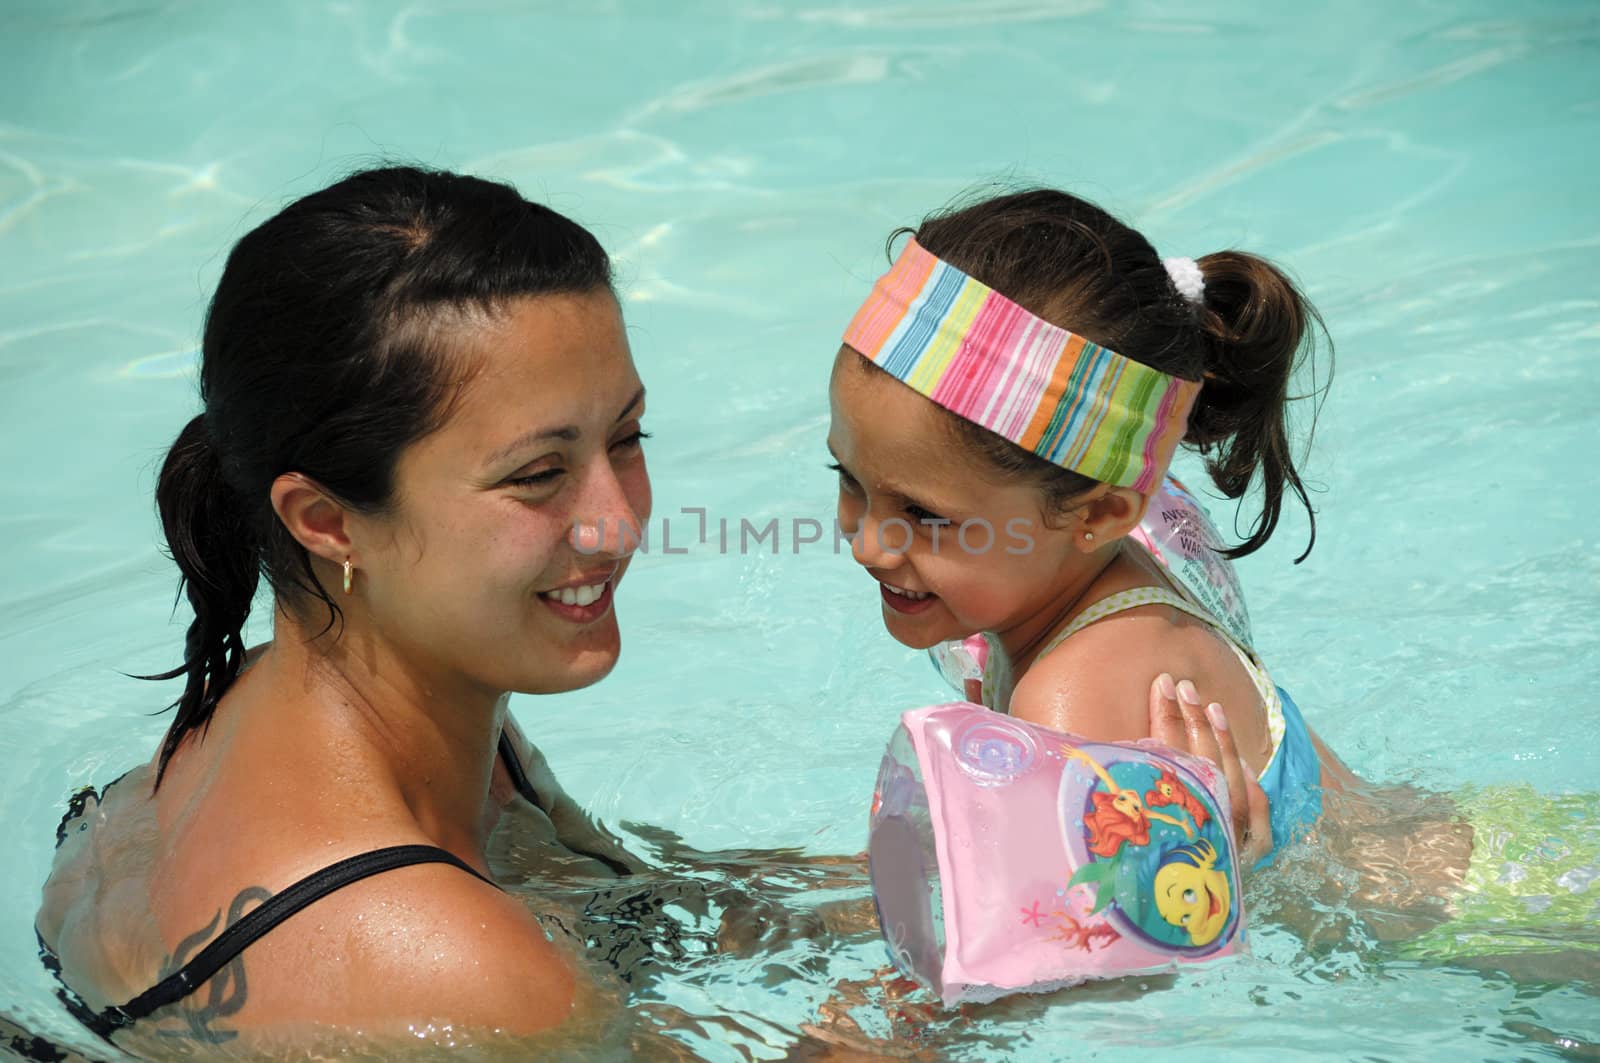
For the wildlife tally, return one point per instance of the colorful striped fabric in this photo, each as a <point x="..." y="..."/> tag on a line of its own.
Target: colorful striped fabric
<point x="983" y="357"/>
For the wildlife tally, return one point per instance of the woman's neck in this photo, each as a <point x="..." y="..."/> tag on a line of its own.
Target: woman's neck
<point x="428" y="738"/>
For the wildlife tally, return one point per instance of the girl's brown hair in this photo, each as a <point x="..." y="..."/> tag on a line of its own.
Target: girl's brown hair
<point x="1074" y="265"/>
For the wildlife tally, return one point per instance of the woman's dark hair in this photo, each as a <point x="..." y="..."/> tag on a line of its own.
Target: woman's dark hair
<point x="1074" y="265"/>
<point x="323" y="355"/>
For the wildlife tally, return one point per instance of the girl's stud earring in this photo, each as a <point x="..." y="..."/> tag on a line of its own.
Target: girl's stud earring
<point x="1088" y="537"/>
<point x="349" y="573"/>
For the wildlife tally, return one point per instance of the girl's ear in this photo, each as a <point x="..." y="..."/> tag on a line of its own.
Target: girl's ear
<point x="1109" y="516"/>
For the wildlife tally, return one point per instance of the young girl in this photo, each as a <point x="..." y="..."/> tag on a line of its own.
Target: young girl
<point x="1005" y="407"/>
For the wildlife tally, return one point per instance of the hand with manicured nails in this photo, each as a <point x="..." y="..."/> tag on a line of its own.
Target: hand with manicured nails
<point x="1177" y="720"/>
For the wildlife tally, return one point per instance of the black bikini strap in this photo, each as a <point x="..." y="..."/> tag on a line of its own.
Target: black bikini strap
<point x="519" y="778"/>
<point x="236" y="938"/>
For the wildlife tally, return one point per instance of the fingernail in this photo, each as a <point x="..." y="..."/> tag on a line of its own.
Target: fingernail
<point x="1168" y="688"/>
<point x="1218" y="718"/>
<point x="1186" y="692"/>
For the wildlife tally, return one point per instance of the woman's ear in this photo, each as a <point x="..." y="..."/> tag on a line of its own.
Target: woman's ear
<point x="317" y="520"/>
<point x="1110" y="516"/>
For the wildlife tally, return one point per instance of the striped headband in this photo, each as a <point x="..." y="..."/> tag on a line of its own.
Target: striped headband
<point x="983" y="357"/>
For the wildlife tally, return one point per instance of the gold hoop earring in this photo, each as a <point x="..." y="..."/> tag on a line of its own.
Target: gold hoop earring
<point x="349" y="574"/>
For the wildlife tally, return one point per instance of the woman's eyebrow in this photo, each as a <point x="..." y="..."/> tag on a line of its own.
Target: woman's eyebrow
<point x="567" y="433"/>
<point x="638" y="397"/>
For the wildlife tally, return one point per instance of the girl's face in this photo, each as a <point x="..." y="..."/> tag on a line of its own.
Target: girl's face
<point x="496" y="565"/>
<point x="954" y="548"/>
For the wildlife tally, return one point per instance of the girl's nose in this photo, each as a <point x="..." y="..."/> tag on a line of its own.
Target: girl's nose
<point x="881" y="544"/>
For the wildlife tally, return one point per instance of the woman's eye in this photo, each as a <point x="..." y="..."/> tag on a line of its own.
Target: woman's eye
<point x="632" y="441"/>
<point x="542" y="478"/>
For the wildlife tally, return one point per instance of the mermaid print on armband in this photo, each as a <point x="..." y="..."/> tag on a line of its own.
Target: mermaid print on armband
<point x="1153" y="850"/>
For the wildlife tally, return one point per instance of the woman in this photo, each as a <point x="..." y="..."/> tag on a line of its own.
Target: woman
<point x="419" y="407"/>
<point x="422" y="423"/>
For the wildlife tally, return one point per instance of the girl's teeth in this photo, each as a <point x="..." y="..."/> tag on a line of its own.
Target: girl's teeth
<point x="902" y="592"/>
<point x="579" y="596"/>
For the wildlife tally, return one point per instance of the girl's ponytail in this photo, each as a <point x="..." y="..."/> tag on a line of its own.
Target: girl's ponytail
<point x="210" y="537"/>
<point x="1239" y="327"/>
<point x="1254" y="323"/>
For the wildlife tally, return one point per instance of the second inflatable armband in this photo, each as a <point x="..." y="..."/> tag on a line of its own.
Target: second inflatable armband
<point x="1007" y="857"/>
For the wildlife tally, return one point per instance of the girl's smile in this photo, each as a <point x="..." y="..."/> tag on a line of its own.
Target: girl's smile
<point x="908" y="602"/>
<point x="954" y="551"/>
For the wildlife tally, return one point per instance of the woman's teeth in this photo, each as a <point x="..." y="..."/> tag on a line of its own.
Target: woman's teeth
<point x="579" y="596"/>
<point x="915" y="596"/>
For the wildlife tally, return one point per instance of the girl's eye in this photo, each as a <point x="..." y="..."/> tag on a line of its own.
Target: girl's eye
<point x="917" y="513"/>
<point x="845" y="479"/>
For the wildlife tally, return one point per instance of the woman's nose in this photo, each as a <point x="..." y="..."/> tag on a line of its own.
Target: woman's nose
<point x="605" y="522"/>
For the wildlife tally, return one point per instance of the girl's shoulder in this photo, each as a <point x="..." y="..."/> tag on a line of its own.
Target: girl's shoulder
<point x="1096" y="682"/>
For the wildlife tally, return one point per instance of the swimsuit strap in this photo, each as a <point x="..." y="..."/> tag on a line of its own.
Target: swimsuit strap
<point x="236" y="938"/>
<point x="1122" y="601"/>
<point x="262" y="919"/>
<point x="519" y="779"/>
<point x="1135" y="597"/>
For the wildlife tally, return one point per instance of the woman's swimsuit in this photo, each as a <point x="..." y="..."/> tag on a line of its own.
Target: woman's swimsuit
<point x="1292" y="779"/>
<point x="260" y="920"/>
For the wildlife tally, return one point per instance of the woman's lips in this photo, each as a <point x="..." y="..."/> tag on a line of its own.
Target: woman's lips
<point x="583" y="605"/>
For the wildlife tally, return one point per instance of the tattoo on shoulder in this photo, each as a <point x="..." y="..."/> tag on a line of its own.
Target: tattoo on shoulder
<point x="197" y="1016"/>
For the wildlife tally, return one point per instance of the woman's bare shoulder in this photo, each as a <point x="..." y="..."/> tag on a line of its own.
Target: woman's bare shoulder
<point x="422" y="944"/>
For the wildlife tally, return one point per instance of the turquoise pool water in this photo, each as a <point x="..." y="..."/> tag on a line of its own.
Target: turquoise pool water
<point x="1427" y="169"/>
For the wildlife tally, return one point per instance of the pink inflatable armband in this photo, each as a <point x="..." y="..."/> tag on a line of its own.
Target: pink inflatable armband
<point x="1007" y="857"/>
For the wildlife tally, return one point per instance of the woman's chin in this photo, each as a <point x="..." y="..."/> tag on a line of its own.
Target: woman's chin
<point x="579" y="669"/>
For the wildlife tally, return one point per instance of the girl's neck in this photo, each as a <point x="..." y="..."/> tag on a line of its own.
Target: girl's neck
<point x="1024" y="641"/>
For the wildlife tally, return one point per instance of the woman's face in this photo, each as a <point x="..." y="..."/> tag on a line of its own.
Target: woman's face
<point x="513" y="522"/>
<point x="954" y="551"/>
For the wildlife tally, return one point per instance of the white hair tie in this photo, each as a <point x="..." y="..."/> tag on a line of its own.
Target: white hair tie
<point x="1187" y="278"/>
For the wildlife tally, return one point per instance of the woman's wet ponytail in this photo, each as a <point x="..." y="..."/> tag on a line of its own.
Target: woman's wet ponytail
<point x="219" y="564"/>
<point x="1254" y="324"/>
